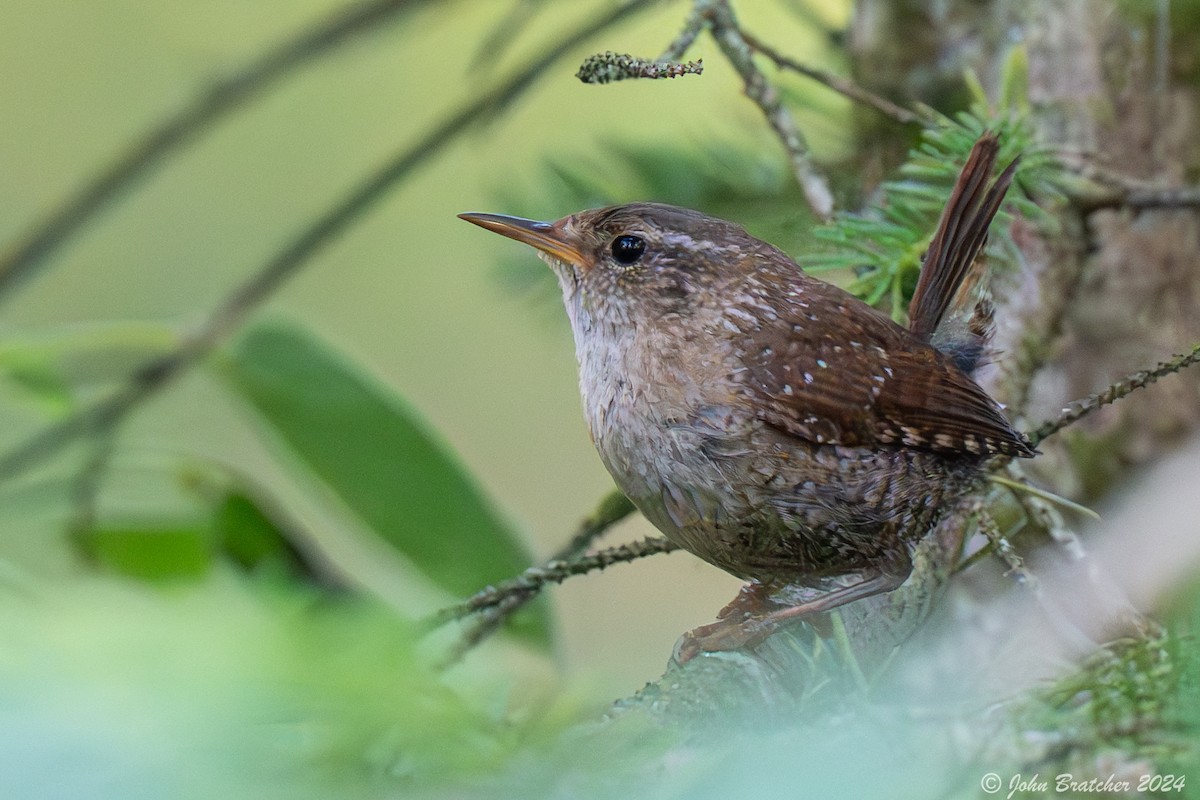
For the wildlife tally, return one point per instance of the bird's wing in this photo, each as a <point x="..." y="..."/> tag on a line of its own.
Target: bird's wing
<point x="830" y="369"/>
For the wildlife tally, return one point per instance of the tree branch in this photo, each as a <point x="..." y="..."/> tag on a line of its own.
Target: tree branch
<point x="536" y="578"/>
<point x="1122" y="388"/>
<point x="611" y="510"/>
<point x="843" y="86"/>
<point x="1145" y="198"/>
<point x="724" y="28"/>
<point x="1104" y="189"/>
<point x="686" y="38"/>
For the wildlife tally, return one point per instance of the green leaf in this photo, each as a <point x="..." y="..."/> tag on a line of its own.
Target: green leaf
<point x="39" y="381"/>
<point x="51" y="365"/>
<point x="151" y="551"/>
<point x="1014" y="80"/>
<point x="247" y="534"/>
<point x="381" y="460"/>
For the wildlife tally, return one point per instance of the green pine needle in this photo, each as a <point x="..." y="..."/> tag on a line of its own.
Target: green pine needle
<point x="884" y="245"/>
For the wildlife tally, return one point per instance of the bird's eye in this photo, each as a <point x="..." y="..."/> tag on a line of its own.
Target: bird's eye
<point x="627" y="248"/>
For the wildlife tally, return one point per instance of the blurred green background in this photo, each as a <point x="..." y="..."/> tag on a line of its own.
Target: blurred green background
<point x="442" y="313"/>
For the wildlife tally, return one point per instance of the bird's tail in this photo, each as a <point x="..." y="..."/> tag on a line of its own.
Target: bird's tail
<point x="961" y="234"/>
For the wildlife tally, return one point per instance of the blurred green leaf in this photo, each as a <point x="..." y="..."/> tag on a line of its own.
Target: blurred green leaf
<point x="51" y="366"/>
<point x="150" y="551"/>
<point x="38" y="379"/>
<point x="248" y="535"/>
<point x="378" y="457"/>
<point x="230" y="526"/>
<point x="231" y="689"/>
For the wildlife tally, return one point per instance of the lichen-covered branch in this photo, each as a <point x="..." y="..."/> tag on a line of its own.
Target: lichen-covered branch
<point x="737" y="50"/>
<point x="1122" y="388"/>
<point x="608" y="67"/>
<point x="535" y="578"/>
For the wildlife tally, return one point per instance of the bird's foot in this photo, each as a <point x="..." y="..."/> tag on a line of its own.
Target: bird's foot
<point x="723" y="635"/>
<point x="759" y="610"/>
<point x="744" y="622"/>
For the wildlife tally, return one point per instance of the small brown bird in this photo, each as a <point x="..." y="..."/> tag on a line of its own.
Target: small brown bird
<point x="769" y="422"/>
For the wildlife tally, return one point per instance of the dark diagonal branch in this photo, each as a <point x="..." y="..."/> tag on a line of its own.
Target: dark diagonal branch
<point x="843" y="86"/>
<point x="23" y="258"/>
<point x="159" y="372"/>
<point x="1122" y="388"/>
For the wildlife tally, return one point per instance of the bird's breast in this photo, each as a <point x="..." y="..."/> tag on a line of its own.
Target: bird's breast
<point x="662" y="417"/>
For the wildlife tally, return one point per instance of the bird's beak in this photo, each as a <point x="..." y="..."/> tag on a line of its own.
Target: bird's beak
<point x="549" y="237"/>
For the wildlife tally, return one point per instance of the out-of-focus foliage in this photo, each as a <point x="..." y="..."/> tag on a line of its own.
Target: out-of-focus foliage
<point x="230" y="528"/>
<point x="367" y="446"/>
<point x="229" y="689"/>
<point x="161" y="551"/>
<point x="53" y="369"/>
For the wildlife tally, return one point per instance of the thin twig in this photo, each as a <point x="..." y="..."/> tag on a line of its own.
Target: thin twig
<point x="1037" y="508"/>
<point x="843" y="86"/>
<point x="23" y="258"/>
<point x="158" y="373"/>
<point x="1104" y="189"/>
<point x="483" y="625"/>
<point x="85" y="489"/>
<point x="1022" y="486"/>
<point x="729" y="38"/>
<point x="736" y="47"/>
<point x="611" y="510"/>
<point x="1047" y="517"/>
<point x="608" y="66"/>
<point x="535" y="578"/>
<point x="1003" y="548"/>
<point x="1122" y="388"/>
<point x="686" y="38"/>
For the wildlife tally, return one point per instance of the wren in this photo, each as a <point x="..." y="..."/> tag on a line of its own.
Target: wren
<point x="768" y="422"/>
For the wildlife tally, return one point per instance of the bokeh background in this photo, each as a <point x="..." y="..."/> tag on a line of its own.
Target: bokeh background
<point x="460" y="323"/>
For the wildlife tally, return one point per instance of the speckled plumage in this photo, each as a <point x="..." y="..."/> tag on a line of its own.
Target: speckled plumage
<point x="768" y="422"/>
